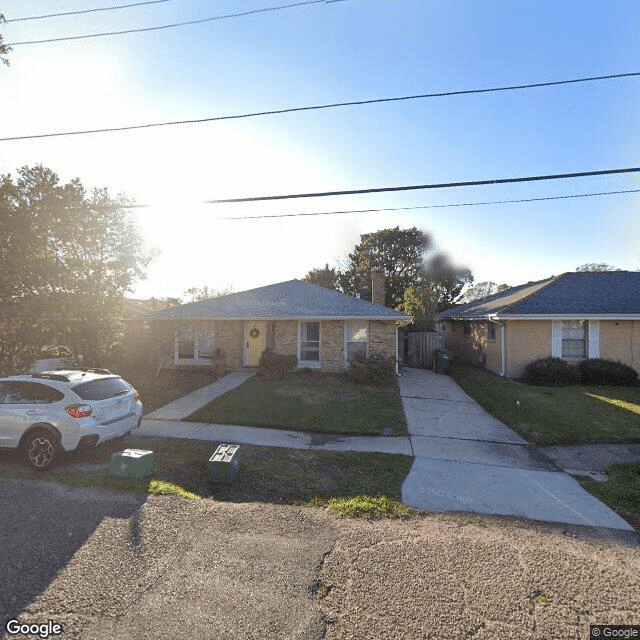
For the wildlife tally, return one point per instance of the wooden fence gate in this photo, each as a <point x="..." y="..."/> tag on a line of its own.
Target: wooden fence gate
<point x="420" y="348"/>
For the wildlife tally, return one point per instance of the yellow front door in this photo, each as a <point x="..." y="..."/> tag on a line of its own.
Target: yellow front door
<point x="255" y="341"/>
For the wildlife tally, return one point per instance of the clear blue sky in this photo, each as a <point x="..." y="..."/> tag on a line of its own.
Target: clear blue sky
<point x="332" y="52"/>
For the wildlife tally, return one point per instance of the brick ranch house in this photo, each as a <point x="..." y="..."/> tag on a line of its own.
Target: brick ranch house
<point x="323" y="328"/>
<point x="571" y="316"/>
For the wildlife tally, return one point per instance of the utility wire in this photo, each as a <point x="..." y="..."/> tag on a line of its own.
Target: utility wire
<point x="170" y="26"/>
<point x="431" y="206"/>
<point x="332" y="105"/>
<point x="440" y="185"/>
<point x="74" y="13"/>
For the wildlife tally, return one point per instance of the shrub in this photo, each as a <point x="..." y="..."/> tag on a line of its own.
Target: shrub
<point x="600" y="372"/>
<point x="275" y="366"/>
<point x="551" y="372"/>
<point x="376" y="370"/>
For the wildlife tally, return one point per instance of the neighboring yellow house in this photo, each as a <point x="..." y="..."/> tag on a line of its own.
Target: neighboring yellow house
<point x="323" y="328"/>
<point x="571" y="316"/>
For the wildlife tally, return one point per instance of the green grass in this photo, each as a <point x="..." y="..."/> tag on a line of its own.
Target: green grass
<point x="157" y="390"/>
<point x="284" y="476"/>
<point x="622" y="491"/>
<point x="321" y="403"/>
<point x="365" y="506"/>
<point x="559" y="415"/>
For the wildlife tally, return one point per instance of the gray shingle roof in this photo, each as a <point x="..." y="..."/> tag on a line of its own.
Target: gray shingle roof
<point x="291" y="299"/>
<point x="585" y="294"/>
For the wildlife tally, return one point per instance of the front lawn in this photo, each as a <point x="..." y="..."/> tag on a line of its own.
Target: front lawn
<point x="621" y="492"/>
<point x="315" y="402"/>
<point x="267" y="474"/>
<point x="559" y="415"/>
<point x="157" y="390"/>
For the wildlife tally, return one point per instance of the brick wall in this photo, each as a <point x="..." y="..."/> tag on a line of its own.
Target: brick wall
<point x="286" y="337"/>
<point x="527" y="340"/>
<point x="620" y="340"/>
<point x="332" y="345"/>
<point x="229" y="336"/>
<point x="382" y="338"/>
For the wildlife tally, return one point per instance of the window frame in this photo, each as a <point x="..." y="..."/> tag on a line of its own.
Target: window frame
<point x="585" y="339"/>
<point x="309" y="363"/>
<point x="347" y="342"/>
<point x="197" y="360"/>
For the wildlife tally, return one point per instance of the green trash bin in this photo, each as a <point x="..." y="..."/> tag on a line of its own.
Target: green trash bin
<point x="443" y="360"/>
<point x="131" y="463"/>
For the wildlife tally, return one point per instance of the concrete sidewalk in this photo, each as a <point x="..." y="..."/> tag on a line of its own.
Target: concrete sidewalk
<point x="268" y="437"/>
<point x="466" y="460"/>
<point x="590" y="460"/>
<point x="182" y="407"/>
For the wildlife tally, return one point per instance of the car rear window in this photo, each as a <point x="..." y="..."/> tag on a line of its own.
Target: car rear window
<point x="102" y="389"/>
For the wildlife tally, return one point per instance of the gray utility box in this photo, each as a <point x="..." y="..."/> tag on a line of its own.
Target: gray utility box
<point x="131" y="463"/>
<point x="224" y="464"/>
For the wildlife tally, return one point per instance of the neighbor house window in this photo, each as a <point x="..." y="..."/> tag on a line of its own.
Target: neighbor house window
<point x="466" y="329"/>
<point x="357" y="339"/>
<point x="492" y="332"/>
<point x="574" y="339"/>
<point x="310" y="341"/>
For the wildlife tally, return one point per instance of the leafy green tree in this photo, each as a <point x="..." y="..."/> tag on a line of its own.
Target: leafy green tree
<point x="198" y="294"/>
<point x="399" y="252"/>
<point x="482" y="290"/>
<point x="327" y="277"/>
<point x="66" y="260"/>
<point x="4" y="49"/>
<point x="596" y="266"/>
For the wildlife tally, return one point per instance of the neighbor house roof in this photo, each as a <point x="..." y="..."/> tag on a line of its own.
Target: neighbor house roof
<point x="585" y="294"/>
<point x="291" y="299"/>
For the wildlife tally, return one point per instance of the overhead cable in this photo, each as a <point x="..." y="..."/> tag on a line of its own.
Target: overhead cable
<point x="333" y="105"/>
<point x="74" y="13"/>
<point x="432" y="206"/>
<point x="168" y="26"/>
<point x="438" y="185"/>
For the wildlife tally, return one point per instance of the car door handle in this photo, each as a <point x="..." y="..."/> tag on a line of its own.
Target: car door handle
<point x="31" y="412"/>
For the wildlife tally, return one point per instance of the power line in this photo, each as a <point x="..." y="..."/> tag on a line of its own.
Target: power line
<point x="169" y="26"/>
<point x="74" y="13"/>
<point x="332" y="105"/>
<point x="441" y="185"/>
<point x="432" y="206"/>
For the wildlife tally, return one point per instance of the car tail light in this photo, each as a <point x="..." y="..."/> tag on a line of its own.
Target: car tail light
<point x="137" y="396"/>
<point x="78" y="410"/>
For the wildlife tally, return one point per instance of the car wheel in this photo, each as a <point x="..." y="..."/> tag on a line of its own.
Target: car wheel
<point x="41" y="449"/>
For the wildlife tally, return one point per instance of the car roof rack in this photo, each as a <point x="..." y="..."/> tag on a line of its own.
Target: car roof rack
<point x="51" y="376"/>
<point x="94" y="370"/>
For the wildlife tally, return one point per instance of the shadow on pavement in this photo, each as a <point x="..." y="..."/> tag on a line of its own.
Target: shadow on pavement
<point x="42" y="526"/>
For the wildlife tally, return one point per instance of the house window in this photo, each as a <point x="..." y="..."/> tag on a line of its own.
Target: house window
<point x="194" y="344"/>
<point x="466" y="329"/>
<point x="357" y="339"/>
<point x="185" y="343"/>
<point x="492" y="332"/>
<point x="310" y="341"/>
<point x="574" y="339"/>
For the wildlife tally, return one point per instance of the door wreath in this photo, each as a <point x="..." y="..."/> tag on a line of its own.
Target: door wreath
<point x="255" y="332"/>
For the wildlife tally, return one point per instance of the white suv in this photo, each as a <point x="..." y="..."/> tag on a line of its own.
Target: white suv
<point x="47" y="413"/>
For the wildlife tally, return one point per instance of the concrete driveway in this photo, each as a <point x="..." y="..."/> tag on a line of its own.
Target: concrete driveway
<point x="466" y="460"/>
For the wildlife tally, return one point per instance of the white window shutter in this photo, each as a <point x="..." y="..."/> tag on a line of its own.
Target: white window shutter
<point x="593" y="339"/>
<point x="556" y="339"/>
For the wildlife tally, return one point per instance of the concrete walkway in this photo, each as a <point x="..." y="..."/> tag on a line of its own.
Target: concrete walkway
<point x="590" y="460"/>
<point x="182" y="407"/>
<point x="268" y="437"/>
<point x="466" y="460"/>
